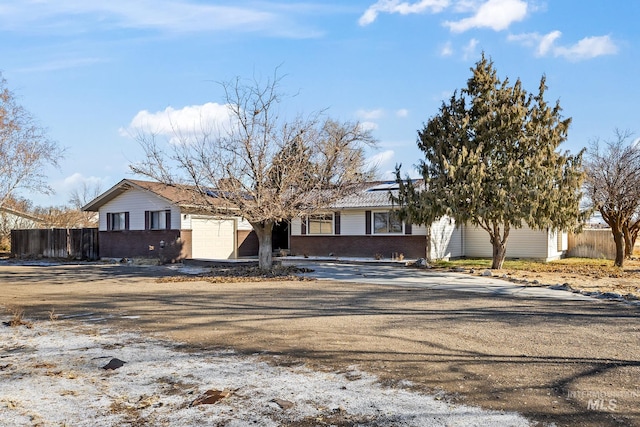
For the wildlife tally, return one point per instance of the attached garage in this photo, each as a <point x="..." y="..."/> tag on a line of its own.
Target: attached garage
<point x="213" y="238"/>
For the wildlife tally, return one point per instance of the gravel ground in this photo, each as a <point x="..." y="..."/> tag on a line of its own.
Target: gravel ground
<point x="563" y="362"/>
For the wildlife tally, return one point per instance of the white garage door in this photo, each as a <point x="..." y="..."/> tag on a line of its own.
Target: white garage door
<point x="212" y="238"/>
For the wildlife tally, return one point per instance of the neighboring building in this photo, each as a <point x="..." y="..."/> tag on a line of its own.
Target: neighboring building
<point x="150" y="219"/>
<point x="11" y="219"/>
<point x="364" y="225"/>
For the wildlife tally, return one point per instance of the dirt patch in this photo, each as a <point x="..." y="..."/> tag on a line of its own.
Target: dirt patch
<point x="566" y="362"/>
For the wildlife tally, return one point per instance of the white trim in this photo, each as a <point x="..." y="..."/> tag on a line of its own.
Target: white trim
<point x="373" y="224"/>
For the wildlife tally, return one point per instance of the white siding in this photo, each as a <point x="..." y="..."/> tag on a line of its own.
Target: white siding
<point x="185" y="222"/>
<point x="213" y="238"/>
<point x="446" y="239"/>
<point x="136" y="202"/>
<point x="418" y="230"/>
<point x="558" y="244"/>
<point x="522" y="243"/>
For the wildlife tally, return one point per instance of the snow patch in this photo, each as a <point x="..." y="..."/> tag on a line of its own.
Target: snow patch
<point x="53" y="374"/>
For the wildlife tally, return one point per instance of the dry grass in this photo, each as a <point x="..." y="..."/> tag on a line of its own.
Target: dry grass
<point x="591" y="275"/>
<point x="17" y="318"/>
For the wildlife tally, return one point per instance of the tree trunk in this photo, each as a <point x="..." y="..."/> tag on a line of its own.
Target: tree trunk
<point x="631" y="235"/>
<point x="618" y="238"/>
<point x="264" y="231"/>
<point x="628" y="241"/>
<point x="428" y="251"/>
<point x="499" y="254"/>
<point x="499" y="244"/>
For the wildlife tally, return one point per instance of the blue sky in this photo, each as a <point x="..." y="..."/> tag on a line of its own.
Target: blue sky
<point x="90" y="70"/>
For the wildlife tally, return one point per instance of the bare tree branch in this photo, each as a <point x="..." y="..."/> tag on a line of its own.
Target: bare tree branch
<point x="25" y="148"/>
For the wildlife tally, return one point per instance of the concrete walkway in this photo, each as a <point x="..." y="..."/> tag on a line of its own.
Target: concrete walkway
<point x="399" y="275"/>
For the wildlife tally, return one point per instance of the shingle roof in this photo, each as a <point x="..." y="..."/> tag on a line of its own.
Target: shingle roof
<point x="371" y="195"/>
<point x="182" y="195"/>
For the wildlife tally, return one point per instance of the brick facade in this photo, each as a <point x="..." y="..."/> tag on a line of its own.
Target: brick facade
<point x="146" y="244"/>
<point x="247" y="243"/>
<point x="359" y="246"/>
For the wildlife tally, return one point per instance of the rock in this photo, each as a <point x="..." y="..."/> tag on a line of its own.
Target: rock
<point x="283" y="404"/>
<point x="114" y="364"/>
<point x="211" y="396"/>
<point x="422" y="263"/>
<point x="535" y="282"/>
<point x="487" y="273"/>
<point x="459" y="270"/>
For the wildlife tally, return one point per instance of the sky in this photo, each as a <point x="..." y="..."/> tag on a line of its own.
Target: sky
<point x="91" y="71"/>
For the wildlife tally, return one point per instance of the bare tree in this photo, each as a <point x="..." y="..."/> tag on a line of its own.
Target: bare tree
<point x="613" y="188"/>
<point x="81" y="196"/>
<point x="261" y="166"/>
<point x="25" y="148"/>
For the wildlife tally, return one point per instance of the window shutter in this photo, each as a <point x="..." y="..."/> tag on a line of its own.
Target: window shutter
<point x="407" y="228"/>
<point x="367" y="222"/>
<point x="336" y="223"/>
<point x="167" y="219"/>
<point x="126" y="220"/>
<point x="147" y="220"/>
<point x="109" y="222"/>
<point x="303" y="225"/>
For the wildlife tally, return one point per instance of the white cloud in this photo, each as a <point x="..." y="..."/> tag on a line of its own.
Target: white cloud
<point x="77" y="179"/>
<point x="178" y="16"/>
<point x="403" y="112"/>
<point x="587" y="48"/>
<point x="368" y="125"/>
<point x="370" y="114"/>
<point x="382" y="161"/>
<point x="181" y="125"/>
<point x="403" y="8"/>
<point x="74" y="182"/>
<point x="494" y="14"/>
<point x="446" y="50"/>
<point x="62" y="64"/>
<point x="469" y="51"/>
<point x="546" y="43"/>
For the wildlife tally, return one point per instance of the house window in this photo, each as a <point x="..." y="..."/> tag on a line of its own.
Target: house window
<point x="157" y="220"/>
<point x="117" y="221"/>
<point x="386" y="223"/>
<point x="320" y="224"/>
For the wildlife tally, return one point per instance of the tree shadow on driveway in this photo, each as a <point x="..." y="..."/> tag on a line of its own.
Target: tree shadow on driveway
<point x="549" y="360"/>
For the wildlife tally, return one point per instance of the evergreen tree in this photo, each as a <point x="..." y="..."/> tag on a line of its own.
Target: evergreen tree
<point x="492" y="161"/>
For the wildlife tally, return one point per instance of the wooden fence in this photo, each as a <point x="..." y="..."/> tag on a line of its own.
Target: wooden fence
<point x="592" y="243"/>
<point x="70" y="243"/>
